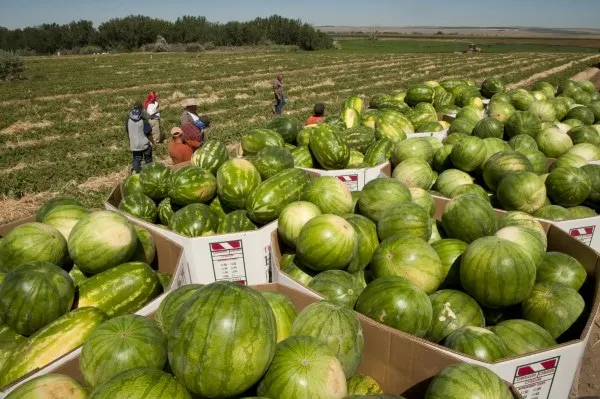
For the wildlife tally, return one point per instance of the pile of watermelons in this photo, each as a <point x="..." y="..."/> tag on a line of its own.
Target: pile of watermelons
<point x="265" y="348"/>
<point x="65" y="274"/>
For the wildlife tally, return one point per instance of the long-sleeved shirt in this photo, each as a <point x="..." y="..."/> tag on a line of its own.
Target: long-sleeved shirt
<point x="179" y="152"/>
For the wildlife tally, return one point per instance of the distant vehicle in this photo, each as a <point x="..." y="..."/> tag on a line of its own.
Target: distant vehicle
<point x="473" y="49"/>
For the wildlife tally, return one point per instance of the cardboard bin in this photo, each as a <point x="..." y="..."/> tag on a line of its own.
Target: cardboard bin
<point x="355" y="179"/>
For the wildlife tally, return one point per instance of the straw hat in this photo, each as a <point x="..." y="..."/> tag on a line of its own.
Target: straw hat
<point x="190" y="102"/>
<point x="176" y="132"/>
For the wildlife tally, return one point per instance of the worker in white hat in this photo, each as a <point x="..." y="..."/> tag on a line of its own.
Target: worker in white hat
<point x="193" y="125"/>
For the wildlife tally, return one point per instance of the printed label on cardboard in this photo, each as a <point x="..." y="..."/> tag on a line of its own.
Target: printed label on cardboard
<point x="183" y="276"/>
<point x="534" y="380"/>
<point x="583" y="234"/>
<point x="228" y="261"/>
<point x="350" y="180"/>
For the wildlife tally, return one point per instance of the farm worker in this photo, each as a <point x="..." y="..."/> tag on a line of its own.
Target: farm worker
<point x="317" y="116"/>
<point x="278" y="91"/>
<point x="153" y="110"/>
<point x="140" y="137"/>
<point x="193" y="125"/>
<point x="178" y="150"/>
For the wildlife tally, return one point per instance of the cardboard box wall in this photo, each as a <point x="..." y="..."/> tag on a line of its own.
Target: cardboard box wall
<point x="170" y="259"/>
<point x="547" y="374"/>
<point x="398" y="365"/>
<point x="355" y="179"/>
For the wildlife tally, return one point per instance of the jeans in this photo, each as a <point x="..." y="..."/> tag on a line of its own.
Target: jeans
<point x="137" y="158"/>
<point x="279" y="103"/>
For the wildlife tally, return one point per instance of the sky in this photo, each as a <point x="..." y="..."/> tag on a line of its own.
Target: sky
<point x="540" y="13"/>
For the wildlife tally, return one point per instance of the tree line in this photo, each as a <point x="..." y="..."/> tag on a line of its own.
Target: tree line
<point x="135" y="31"/>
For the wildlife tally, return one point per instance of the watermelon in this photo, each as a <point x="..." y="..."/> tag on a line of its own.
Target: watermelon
<point x="195" y="220"/>
<point x="471" y="189"/>
<point x="338" y="286"/>
<point x="478" y="343"/>
<point x="288" y="127"/>
<point x="326" y="242"/>
<point x="503" y="164"/>
<point x="365" y="232"/>
<point x="330" y="194"/>
<point x="491" y="86"/>
<point x="412" y="148"/>
<point x="298" y="272"/>
<point x="423" y="199"/>
<point x="52" y="203"/>
<point x="523" y="143"/>
<point x="523" y="191"/>
<point x="120" y="290"/>
<point x="462" y="125"/>
<point x="523" y="122"/>
<point x="272" y="160"/>
<point x="122" y="343"/>
<point x="49" y="386"/>
<point x="493" y="146"/>
<point x="234" y="222"/>
<point x="191" y="184"/>
<point x="311" y="370"/>
<point x="33" y="242"/>
<point x="584" y="114"/>
<point x="450" y="251"/>
<point x="419" y="94"/>
<point x="146" y="249"/>
<point x="497" y="272"/>
<point x="449" y="180"/>
<point x="569" y="159"/>
<point x="468" y="154"/>
<point x="350" y="117"/>
<point x="415" y="172"/>
<point x="411" y="258"/>
<point x="593" y="172"/>
<point x="522" y="337"/>
<point x="293" y="217"/>
<point x="9" y="341"/>
<point x="52" y="342"/>
<point x="141" y="383"/>
<point x="454" y="138"/>
<point x="329" y="148"/>
<point x="360" y="384"/>
<point x="356" y="160"/>
<point x="303" y="158"/>
<point x="589" y="152"/>
<point x="405" y="219"/>
<point x="523" y="220"/>
<point x="452" y="310"/>
<point x="210" y="156"/>
<point x="521" y="99"/>
<point x="568" y="186"/>
<point x="430" y="127"/>
<point x="215" y="322"/>
<point x="381" y="194"/>
<point x="553" y="306"/>
<point x="393" y="125"/>
<point x="489" y="127"/>
<point x="26" y="288"/>
<point x="379" y="152"/>
<point x="553" y="142"/>
<point x="267" y="201"/>
<point x="335" y="325"/>
<point x="284" y="312"/>
<point x="257" y="139"/>
<point x="467" y="381"/>
<point x="360" y="138"/>
<point x="236" y="179"/>
<point x="168" y="308"/>
<point x="140" y="206"/>
<point x="581" y="212"/>
<point x="397" y="303"/>
<point x="468" y="217"/>
<point x="561" y="268"/>
<point x="584" y="134"/>
<point x="131" y="185"/>
<point x="527" y="240"/>
<point x="538" y="161"/>
<point x="65" y="217"/>
<point x="102" y="240"/>
<point x="166" y="209"/>
<point x="76" y="275"/>
<point x="154" y="180"/>
<point x="164" y="279"/>
<point x="552" y="212"/>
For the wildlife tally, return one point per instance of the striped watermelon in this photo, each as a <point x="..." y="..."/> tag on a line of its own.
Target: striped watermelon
<point x="330" y="194"/>
<point x="367" y="241"/>
<point x="497" y="272"/>
<point x="414" y="147"/>
<point x="236" y="179"/>
<point x="9" y="341"/>
<point x="234" y="222"/>
<point x="33" y="242"/>
<point x="140" y="206"/>
<point x="381" y="194"/>
<point x="256" y="140"/>
<point x="379" y="152"/>
<point x="360" y="384"/>
<point x="297" y="271"/>
<point x="479" y="343"/>
<point x="102" y="240"/>
<point x="415" y="172"/>
<point x="284" y="312"/>
<point x="34" y="295"/>
<point x="287" y="126"/>
<point x="441" y="158"/>
<point x="527" y="240"/>
<point x="146" y="248"/>
<point x="397" y="303"/>
<point x="191" y="185"/>
<point x="405" y="219"/>
<point x="166" y="209"/>
<point x="449" y="180"/>
<point x="218" y="209"/>
<point x="338" y="286"/>
<point x="195" y="220"/>
<point x="267" y="201"/>
<point x="303" y="138"/>
<point x="131" y="185"/>
<point x="423" y="199"/>
<point x="501" y="165"/>
<point x="326" y="242"/>
<point x="52" y="203"/>
<point x="210" y="156"/>
<point x="52" y="342"/>
<point x="467" y="381"/>
<point x="154" y="180"/>
<point x="292" y="218"/>
<point x="450" y="251"/>
<point x="168" y="308"/>
<point x="522" y="219"/>
<point x="360" y="138"/>
<point x="561" y="268"/>
<point x="553" y="306"/>
<point x="329" y="147"/>
<point x="568" y="186"/>
<point x="468" y="217"/>
<point x="210" y="329"/>
<point x="411" y="258"/>
<point x="120" y="290"/>
<point x="120" y="344"/>
<point x="392" y="125"/>
<point x="76" y="275"/>
<point x="49" y="386"/>
<point x="452" y="310"/>
<point x="320" y="376"/>
<point x="164" y="279"/>
<point x="271" y="160"/>
<point x="522" y="336"/>
<point x="303" y="158"/>
<point x="65" y="217"/>
<point x="522" y="191"/>
<point x="141" y="383"/>
<point x="336" y="326"/>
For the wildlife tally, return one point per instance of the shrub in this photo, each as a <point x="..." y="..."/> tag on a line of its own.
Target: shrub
<point x="86" y="50"/>
<point x="194" y="48"/>
<point x="209" y="46"/>
<point x="12" y="66"/>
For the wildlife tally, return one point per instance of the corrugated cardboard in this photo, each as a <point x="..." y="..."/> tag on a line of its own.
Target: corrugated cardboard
<point x="546" y="374"/>
<point x="170" y="259"/>
<point x="355" y="179"/>
<point x="243" y="257"/>
<point x="399" y="366"/>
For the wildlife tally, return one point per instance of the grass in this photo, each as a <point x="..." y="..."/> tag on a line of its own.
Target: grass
<point x="62" y="131"/>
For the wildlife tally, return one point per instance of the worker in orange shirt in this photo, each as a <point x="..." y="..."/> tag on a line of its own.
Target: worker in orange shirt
<point x="317" y="116"/>
<point x="178" y="150"/>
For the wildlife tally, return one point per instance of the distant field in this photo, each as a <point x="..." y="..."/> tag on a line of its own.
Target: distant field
<point x="62" y="131"/>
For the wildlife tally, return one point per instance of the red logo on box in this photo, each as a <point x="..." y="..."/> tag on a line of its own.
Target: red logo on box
<point x="348" y="178"/>
<point x="583" y="234"/>
<point x="225" y="246"/>
<point x="536" y="367"/>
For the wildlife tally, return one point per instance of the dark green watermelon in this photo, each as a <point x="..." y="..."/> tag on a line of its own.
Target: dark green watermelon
<point x="139" y="206"/>
<point x="287" y="126"/>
